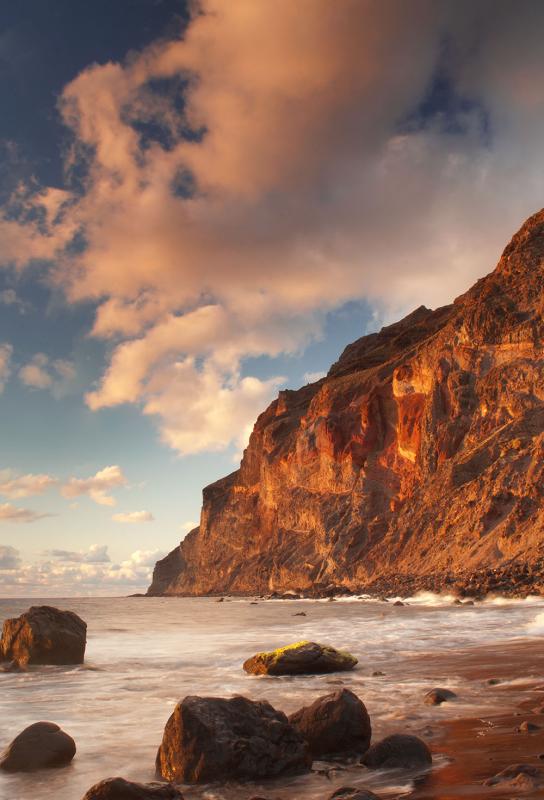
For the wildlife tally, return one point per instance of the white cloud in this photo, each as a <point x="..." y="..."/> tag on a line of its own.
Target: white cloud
<point x="98" y="486"/>
<point x="6" y="351"/>
<point x="311" y="377"/>
<point x="69" y="576"/>
<point x="43" y="373"/>
<point x="9" y="558"/>
<point x="134" y="516"/>
<point x="96" y="554"/>
<point x="11" y="513"/>
<point x="15" y="486"/>
<point x="9" y="297"/>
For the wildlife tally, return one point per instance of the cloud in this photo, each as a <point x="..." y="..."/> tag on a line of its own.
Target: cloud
<point x="268" y="165"/>
<point x="6" y="351"/>
<point x="15" y="486"/>
<point x="67" y="575"/>
<point x="98" y="486"/>
<point x="97" y="554"/>
<point x="134" y="516"/>
<point x="42" y="373"/>
<point x="9" y="558"/>
<point x="11" y="513"/>
<point x="9" y="297"/>
<point x="311" y="377"/>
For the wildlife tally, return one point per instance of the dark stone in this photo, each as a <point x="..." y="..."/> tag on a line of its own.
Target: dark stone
<point x="399" y="751"/>
<point x="299" y="614"/>
<point x="527" y="727"/>
<point x="353" y="793"/>
<point x="438" y="696"/>
<point x="44" y="635"/>
<point x="399" y="603"/>
<point x="215" y="739"/>
<point x="302" y="658"/>
<point x="518" y="776"/>
<point x="335" y="723"/>
<point x="120" y="789"/>
<point x="39" y="746"/>
<point x="377" y="673"/>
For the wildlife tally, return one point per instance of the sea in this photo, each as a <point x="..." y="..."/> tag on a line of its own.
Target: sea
<point x="145" y="654"/>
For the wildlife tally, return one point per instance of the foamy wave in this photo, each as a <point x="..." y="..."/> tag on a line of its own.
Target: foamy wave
<point x="427" y="599"/>
<point x="531" y="600"/>
<point x="536" y="626"/>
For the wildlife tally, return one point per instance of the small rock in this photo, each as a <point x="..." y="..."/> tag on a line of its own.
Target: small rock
<point x="335" y="723"/>
<point x="220" y="600"/>
<point x="299" y="614"/>
<point x="302" y="658"/>
<point x="215" y="739"/>
<point x="518" y="776"/>
<point x="493" y="682"/>
<point x="120" y="789"/>
<point x="399" y="751"/>
<point x="398" y="603"/>
<point x="41" y="745"/>
<point x="254" y="603"/>
<point x="44" y="635"/>
<point x="527" y="727"/>
<point x="353" y="793"/>
<point x="438" y="696"/>
<point x="378" y="673"/>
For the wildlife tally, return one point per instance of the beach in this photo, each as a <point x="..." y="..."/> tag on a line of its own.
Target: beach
<point x="145" y="654"/>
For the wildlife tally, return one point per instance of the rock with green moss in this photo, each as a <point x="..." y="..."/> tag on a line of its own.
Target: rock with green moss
<point x="301" y="658"/>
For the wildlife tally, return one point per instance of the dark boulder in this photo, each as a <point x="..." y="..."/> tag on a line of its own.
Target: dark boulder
<point x="214" y="739"/>
<point x="528" y="727"/>
<point x="353" y="793"/>
<point x="438" y="696"/>
<point x="44" y="635"/>
<point x="399" y="751"/>
<point x="120" y="789"/>
<point x="39" y="746"/>
<point x="335" y="723"/>
<point x="301" y="658"/>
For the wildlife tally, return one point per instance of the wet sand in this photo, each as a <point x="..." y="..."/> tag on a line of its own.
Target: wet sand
<point x="476" y="748"/>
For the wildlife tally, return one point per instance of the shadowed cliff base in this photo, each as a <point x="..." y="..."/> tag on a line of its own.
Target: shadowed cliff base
<point x="416" y="463"/>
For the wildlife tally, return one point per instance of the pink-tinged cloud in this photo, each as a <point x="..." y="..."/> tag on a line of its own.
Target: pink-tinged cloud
<point x="312" y="178"/>
<point x="98" y="486"/>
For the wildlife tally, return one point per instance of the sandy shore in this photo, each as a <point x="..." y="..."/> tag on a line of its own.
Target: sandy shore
<point x="477" y="748"/>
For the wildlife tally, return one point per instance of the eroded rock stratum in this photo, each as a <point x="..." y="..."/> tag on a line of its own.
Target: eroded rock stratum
<point x="417" y="462"/>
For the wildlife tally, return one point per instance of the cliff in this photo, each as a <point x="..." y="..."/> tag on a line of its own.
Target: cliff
<point x="417" y="462"/>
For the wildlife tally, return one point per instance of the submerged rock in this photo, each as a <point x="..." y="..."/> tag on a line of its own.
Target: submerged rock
<point x="335" y="723"/>
<point x="120" y="789"/>
<point x="438" y="696"/>
<point x="518" y="776"/>
<point x="39" y="746"/>
<point x="44" y="635"/>
<point x="353" y="793"/>
<point x="215" y="739"/>
<point x="301" y="658"/>
<point x="399" y="751"/>
<point x="528" y="727"/>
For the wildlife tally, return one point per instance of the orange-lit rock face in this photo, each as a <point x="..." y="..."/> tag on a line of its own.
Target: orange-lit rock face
<point x="421" y="452"/>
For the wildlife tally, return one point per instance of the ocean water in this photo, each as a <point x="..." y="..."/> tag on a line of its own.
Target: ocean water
<point x="145" y="654"/>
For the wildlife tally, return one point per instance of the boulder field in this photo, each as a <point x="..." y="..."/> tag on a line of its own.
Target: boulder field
<point x="416" y="463"/>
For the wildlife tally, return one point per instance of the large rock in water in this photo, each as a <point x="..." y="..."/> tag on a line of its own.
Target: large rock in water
<point x="416" y="462"/>
<point x="44" y="635"/>
<point x="120" y="789"/>
<point x="335" y="723"/>
<point x="42" y="745"/>
<point x="301" y="658"/>
<point x="214" y="739"/>
<point x="398" y="751"/>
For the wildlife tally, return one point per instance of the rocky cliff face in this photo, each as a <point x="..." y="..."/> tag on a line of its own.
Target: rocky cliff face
<point x="417" y="462"/>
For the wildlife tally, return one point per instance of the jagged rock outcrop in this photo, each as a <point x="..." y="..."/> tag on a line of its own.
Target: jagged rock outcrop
<point x="417" y="462"/>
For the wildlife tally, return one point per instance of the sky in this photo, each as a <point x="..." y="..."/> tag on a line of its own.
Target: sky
<point x="201" y="204"/>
